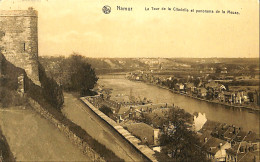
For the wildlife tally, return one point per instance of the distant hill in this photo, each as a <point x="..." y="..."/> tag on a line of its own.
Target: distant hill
<point x="109" y="65"/>
<point x="101" y="65"/>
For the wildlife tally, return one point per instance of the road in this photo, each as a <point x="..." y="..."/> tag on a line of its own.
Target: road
<point x="77" y="112"/>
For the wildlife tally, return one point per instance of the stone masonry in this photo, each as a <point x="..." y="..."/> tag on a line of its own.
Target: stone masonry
<point x="19" y="40"/>
<point x="80" y="143"/>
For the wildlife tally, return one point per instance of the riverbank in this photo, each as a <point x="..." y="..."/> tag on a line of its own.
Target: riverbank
<point x="214" y="112"/>
<point x="250" y="109"/>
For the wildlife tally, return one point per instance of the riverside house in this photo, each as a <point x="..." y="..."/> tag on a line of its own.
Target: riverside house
<point x="179" y="87"/>
<point x="189" y="88"/>
<point x="241" y="152"/>
<point x="216" y="148"/>
<point x="201" y="92"/>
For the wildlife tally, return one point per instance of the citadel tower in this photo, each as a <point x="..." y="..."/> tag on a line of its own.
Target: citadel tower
<point x="19" y="40"/>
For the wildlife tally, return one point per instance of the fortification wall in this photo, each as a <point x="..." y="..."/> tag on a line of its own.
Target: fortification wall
<point x="19" y="40"/>
<point x="144" y="151"/>
<point x="80" y="143"/>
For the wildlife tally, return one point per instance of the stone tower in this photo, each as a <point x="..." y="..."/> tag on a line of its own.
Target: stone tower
<point x="19" y="40"/>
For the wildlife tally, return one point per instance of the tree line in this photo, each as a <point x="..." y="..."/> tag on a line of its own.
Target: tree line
<point x="73" y="74"/>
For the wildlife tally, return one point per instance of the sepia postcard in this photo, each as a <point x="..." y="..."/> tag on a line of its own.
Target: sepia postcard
<point x="125" y="80"/>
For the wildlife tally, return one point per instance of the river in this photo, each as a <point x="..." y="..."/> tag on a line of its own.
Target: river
<point x="215" y="112"/>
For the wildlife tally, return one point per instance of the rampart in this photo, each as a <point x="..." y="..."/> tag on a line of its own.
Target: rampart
<point x="145" y="152"/>
<point x="19" y="40"/>
<point x="80" y="143"/>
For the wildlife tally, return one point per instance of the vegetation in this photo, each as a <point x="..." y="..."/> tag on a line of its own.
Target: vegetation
<point x="106" y="110"/>
<point x="81" y="133"/>
<point x="9" y="96"/>
<point x="5" y="152"/>
<point x="49" y="96"/>
<point x="51" y="91"/>
<point x="82" y="76"/>
<point x="74" y="73"/>
<point x="101" y="66"/>
<point x="178" y="140"/>
<point x="9" y="84"/>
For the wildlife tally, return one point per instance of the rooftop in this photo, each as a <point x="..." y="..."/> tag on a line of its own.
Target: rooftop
<point x="209" y="125"/>
<point x="252" y="137"/>
<point x="248" y="156"/>
<point x="213" y="145"/>
<point x="230" y="133"/>
<point x="141" y="130"/>
<point x="205" y="136"/>
<point x="240" y="136"/>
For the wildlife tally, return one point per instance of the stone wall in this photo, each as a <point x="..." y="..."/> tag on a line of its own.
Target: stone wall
<point x="81" y="144"/>
<point x="144" y="151"/>
<point x="19" y="40"/>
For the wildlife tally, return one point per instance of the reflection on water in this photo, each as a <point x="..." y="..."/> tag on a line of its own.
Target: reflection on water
<point x="215" y="112"/>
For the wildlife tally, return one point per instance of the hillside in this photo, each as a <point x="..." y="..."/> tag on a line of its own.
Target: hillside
<point x="55" y="65"/>
<point x="9" y="84"/>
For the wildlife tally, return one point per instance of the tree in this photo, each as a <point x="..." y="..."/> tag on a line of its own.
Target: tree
<point x="106" y="110"/>
<point x="218" y="70"/>
<point x="51" y="91"/>
<point x="179" y="140"/>
<point x="196" y="82"/>
<point x="252" y="68"/>
<point x="251" y="96"/>
<point x="82" y="76"/>
<point x="175" y="81"/>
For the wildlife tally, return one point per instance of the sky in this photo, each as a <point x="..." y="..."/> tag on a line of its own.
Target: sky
<point x="67" y="26"/>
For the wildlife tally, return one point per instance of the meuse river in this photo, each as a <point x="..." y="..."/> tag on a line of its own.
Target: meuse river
<point x="215" y="112"/>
